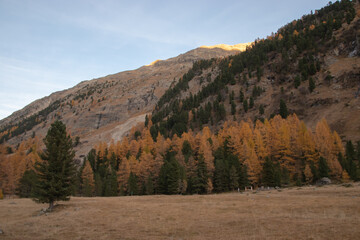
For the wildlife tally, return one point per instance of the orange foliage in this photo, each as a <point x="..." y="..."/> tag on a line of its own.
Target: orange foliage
<point x="13" y="166"/>
<point x="286" y="141"/>
<point x="87" y="177"/>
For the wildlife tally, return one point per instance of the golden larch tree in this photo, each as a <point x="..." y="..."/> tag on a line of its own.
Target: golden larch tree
<point x="88" y="183"/>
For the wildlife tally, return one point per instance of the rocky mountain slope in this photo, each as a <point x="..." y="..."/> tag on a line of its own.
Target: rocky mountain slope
<point x="312" y="65"/>
<point x="106" y="108"/>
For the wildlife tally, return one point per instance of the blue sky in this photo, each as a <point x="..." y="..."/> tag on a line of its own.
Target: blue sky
<point x="51" y="45"/>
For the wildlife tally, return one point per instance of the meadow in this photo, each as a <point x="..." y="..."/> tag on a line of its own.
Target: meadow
<point x="328" y="212"/>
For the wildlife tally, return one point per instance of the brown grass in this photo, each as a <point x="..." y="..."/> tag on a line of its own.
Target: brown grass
<point x="330" y="212"/>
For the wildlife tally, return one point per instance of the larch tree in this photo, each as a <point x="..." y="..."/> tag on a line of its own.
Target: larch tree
<point x="56" y="172"/>
<point x="88" y="183"/>
<point x="123" y="175"/>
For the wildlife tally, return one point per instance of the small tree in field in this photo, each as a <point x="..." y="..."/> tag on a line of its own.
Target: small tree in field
<point x="56" y="170"/>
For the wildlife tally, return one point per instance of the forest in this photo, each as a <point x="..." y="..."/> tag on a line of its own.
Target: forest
<point x="277" y="153"/>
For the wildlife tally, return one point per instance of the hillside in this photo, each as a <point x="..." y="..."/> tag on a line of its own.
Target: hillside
<point x="105" y="108"/>
<point x="321" y="49"/>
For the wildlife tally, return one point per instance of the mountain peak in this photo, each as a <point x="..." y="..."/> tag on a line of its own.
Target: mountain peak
<point x="240" y="46"/>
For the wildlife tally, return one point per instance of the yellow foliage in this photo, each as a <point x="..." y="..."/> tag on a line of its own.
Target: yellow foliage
<point x="286" y="140"/>
<point x="345" y="176"/>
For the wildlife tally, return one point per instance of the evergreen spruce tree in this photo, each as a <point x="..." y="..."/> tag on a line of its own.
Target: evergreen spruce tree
<point x="241" y="98"/>
<point x="323" y="168"/>
<point x="233" y="108"/>
<point x="268" y="173"/>
<point x="314" y="171"/>
<point x="311" y="84"/>
<point x="277" y="175"/>
<point x="350" y="160"/>
<point x="261" y="109"/>
<point x="297" y="81"/>
<point x="111" y="184"/>
<point x="98" y="185"/>
<point x="133" y="188"/>
<point x="245" y="105"/>
<point x="243" y="177"/>
<point x="233" y="178"/>
<point x="56" y="172"/>
<point x="149" y="186"/>
<point x="285" y="176"/>
<point x="201" y="179"/>
<point x="27" y="184"/>
<point x="283" y="109"/>
<point x="171" y="175"/>
<point x="251" y="102"/>
<point x="220" y="176"/>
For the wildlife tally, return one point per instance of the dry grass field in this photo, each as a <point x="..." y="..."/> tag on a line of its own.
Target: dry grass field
<point x="329" y="212"/>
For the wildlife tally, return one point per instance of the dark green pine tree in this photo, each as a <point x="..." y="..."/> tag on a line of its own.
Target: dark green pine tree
<point x="170" y="175"/>
<point x="98" y="185"/>
<point x="350" y="160"/>
<point x="241" y="98"/>
<point x="268" y="173"/>
<point x="297" y="81"/>
<point x="233" y="108"/>
<point x="285" y="176"/>
<point x="221" y="112"/>
<point x="314" y="171"/>
<point x="283" y="109"/>
<point x="200" y="181"/>
<point x="311" y="84"/>
<point x="111" y="184"/>
<point x="251" y="102"/>
<point x="243" y="177"/>
<point x="245" y="105"/>
<point x="261" y="109"/>
<point x="57" y="170"/>
<point x="233" y="178"/>
<point x="133" y="188"/>
<point x="149" y="185"/>
<point x="323" y="168"/>
<point x="220" y="176"/>
<point x="27" y="184"/>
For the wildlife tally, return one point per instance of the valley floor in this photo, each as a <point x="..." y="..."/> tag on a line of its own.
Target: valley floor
<point x="329" y="212"/>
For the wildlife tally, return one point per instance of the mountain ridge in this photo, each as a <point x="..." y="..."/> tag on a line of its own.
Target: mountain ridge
<point x="111" y="100"/>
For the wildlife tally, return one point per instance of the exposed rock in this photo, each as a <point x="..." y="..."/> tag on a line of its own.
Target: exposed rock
<point x="92" y="107"/>
<point x="323" y="181"/>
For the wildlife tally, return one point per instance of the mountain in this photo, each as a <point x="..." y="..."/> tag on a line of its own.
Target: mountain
<point x="311" y="65"/>
<point x="106" y="108"/>
<point x="212" y="119"/>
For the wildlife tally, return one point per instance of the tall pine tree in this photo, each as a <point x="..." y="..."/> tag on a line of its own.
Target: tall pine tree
<point x="56" y="172"/>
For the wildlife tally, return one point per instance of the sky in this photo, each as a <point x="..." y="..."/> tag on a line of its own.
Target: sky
<point x="47" y="46"/>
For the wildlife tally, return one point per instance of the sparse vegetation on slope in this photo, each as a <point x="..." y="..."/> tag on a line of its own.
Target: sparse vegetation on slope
<point x="294" y="54"/>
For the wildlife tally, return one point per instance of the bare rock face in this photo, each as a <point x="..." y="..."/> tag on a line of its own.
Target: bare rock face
<point x="106" y="108"/>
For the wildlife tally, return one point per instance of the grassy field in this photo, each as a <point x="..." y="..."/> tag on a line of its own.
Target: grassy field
<point x="329" y="212"/>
